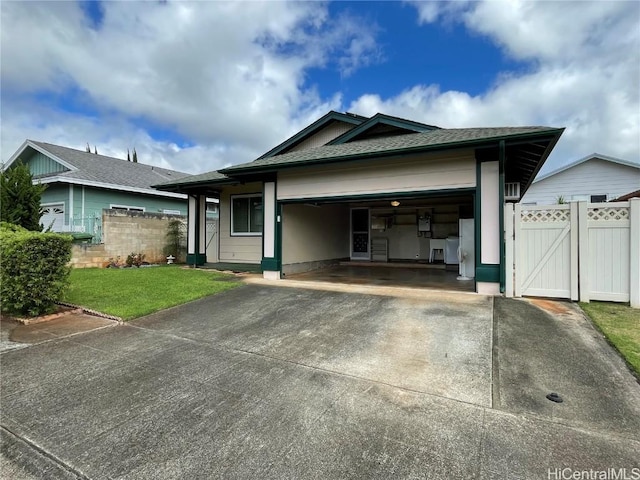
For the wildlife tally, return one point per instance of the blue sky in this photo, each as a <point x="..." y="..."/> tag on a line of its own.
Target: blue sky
<point x="196" y="86"/>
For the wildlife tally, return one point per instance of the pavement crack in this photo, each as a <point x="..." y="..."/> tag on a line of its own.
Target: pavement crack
<point x="495" y="365"/>
<point x="50" y="456"/>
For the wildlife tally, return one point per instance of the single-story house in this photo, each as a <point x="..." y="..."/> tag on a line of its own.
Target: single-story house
<point x="81" y="184"/>
<point x="380" y="188"/>
<point x="594" y="178"/>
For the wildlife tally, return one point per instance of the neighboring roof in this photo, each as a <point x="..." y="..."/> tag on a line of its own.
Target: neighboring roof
<point x="628" y="196"/>
<point x="400" y="144"/>
<point x="306" y="132"/>
<point x="401" y="124"/>
<point x="593" y="156"/>
<point x="100" y="170"/>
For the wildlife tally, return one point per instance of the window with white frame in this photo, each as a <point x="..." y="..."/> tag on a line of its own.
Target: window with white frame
<point x="126" y="208"/>
<point x="246" y="215"/>
<point x="598" y="198"/>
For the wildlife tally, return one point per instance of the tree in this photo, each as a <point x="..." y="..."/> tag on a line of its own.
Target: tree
<point x="135" y="156"/>
<point x="20" y="197"/>
<point x="95" y="149"/>
<point x="128" y="156"/>
<point x="87" y="148"/>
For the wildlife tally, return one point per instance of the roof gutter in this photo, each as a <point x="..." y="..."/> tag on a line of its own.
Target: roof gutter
<point x="109" y="186"/>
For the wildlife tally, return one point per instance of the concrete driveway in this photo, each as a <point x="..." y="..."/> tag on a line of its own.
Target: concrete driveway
<point x="268" y="382"/>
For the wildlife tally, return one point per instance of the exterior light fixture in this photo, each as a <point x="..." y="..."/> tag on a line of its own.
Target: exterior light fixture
<point x="395" y="203"/>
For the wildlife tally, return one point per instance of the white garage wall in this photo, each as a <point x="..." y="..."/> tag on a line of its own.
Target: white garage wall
<point x="456" y="169"/>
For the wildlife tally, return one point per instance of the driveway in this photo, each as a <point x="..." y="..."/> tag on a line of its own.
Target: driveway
<point x="269" y="382"/>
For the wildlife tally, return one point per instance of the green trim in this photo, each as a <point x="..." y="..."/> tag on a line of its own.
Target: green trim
<point x="487" y="273"/>
<point x="313" y="128"/>
<point x="501" y="162"/>
<point x="384" y="196"/>
<point x="270" y="265"/>
<point x="196" y="259"/>
<point x="378" y="119"/>
<point x="278" y="231"/>
<point x="398" y="152"/>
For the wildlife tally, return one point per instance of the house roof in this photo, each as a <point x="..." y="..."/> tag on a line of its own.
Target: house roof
<point x="436" y="139"/>
<point x="593" y="156"/>
<point x="527" y="147"/>
<point x="306" y="132"/>
<point x="99" y="170"/>
<point x="628" y="196"/>
<point x="401" y="125"/>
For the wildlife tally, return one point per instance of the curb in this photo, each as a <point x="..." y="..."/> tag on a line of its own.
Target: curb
<point x="46" y="318"/>
<point x="89" y="311"/>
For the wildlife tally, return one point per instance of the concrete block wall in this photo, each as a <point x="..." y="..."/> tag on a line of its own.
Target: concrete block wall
<point x="124" y="233"/>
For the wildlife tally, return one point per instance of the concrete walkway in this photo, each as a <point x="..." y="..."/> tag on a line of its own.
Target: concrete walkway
<point x="267" y="382"/>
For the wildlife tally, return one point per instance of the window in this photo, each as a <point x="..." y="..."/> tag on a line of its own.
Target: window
<point x="246" y="215"/>
<point x="598" y="198"/>
<point x="126" y="208"/>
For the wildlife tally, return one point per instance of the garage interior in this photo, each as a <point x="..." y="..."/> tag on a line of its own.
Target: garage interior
<point x="404" y="241"/>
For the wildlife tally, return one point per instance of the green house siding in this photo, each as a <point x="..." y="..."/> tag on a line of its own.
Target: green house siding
<point x="57" y="194"/>
<point x="97" y="199"/>
<point x="40" y="165"/>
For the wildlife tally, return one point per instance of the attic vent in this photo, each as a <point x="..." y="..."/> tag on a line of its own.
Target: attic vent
<point x="512" y="191"/>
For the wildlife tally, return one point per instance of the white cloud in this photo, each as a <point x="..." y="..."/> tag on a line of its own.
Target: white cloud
<point x="585" y="75"/>
<point x="227" y="76"/>
<point x="230" y="77"/>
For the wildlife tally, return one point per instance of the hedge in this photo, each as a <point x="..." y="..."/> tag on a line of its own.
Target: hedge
<point x="34" y="271"/>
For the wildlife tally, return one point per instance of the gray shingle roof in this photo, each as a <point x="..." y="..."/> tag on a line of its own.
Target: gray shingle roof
<point x="430" y="139"/>
<point x="109" y="170"/>
<point x="212" y="177"/>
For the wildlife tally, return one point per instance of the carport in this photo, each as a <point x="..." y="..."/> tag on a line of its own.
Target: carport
<point x="391" y="240"/>
<point x="379" y="189"/>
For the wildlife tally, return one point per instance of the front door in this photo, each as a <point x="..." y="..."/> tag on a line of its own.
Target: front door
<point x="360" y="234"/>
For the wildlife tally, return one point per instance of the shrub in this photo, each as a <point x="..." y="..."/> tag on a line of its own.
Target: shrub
<point x="20" y="197"/>
<point x="34" y="271"/>
<point x="135" y="259"/>
<point x="176" y="240"/>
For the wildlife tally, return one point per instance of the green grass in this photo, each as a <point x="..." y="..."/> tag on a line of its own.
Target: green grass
<point x="621" y="325"/>
<point x="133" y="292"/>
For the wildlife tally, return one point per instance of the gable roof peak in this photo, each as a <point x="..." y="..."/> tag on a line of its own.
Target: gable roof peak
<point x="593" y="156"/>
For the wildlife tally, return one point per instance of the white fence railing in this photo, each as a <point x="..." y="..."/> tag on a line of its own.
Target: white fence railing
<point x="579" y="251"/>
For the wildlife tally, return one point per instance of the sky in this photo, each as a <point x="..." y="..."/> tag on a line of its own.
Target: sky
<point x="201" y="85"/>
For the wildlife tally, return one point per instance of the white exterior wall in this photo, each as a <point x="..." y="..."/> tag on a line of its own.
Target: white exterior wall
<point x="489" y="213"/>
<point x="419" y="173"/>
<point x="324" y="136"/>
<point x="311" y="234"/>
<point x="593" y="177"/>
<point x="240" y="249"/>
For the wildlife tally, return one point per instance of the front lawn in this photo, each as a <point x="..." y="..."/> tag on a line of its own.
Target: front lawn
<point x="133" y="292"/>
<point x="621" y="325"/>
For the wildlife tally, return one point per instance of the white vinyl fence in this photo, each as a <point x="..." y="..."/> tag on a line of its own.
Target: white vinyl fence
<point x="579" y="251"/>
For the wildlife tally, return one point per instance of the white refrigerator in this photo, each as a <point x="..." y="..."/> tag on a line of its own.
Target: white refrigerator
<point x="467" y="268"/>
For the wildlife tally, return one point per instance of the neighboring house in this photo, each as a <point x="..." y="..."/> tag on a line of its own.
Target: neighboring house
<point x="594" y="178"/>
<point x="347" y="185"/>
<point x="80" y="185"/>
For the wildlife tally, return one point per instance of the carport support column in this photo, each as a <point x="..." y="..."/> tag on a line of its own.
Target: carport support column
<point x="196" y="230"/>
<point x="489" y="226"/>
<point x="271" y="232"/>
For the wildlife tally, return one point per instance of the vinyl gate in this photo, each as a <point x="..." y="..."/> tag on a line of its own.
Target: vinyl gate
<point x="212" y="240"/>
<point x="579" y="251"/>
